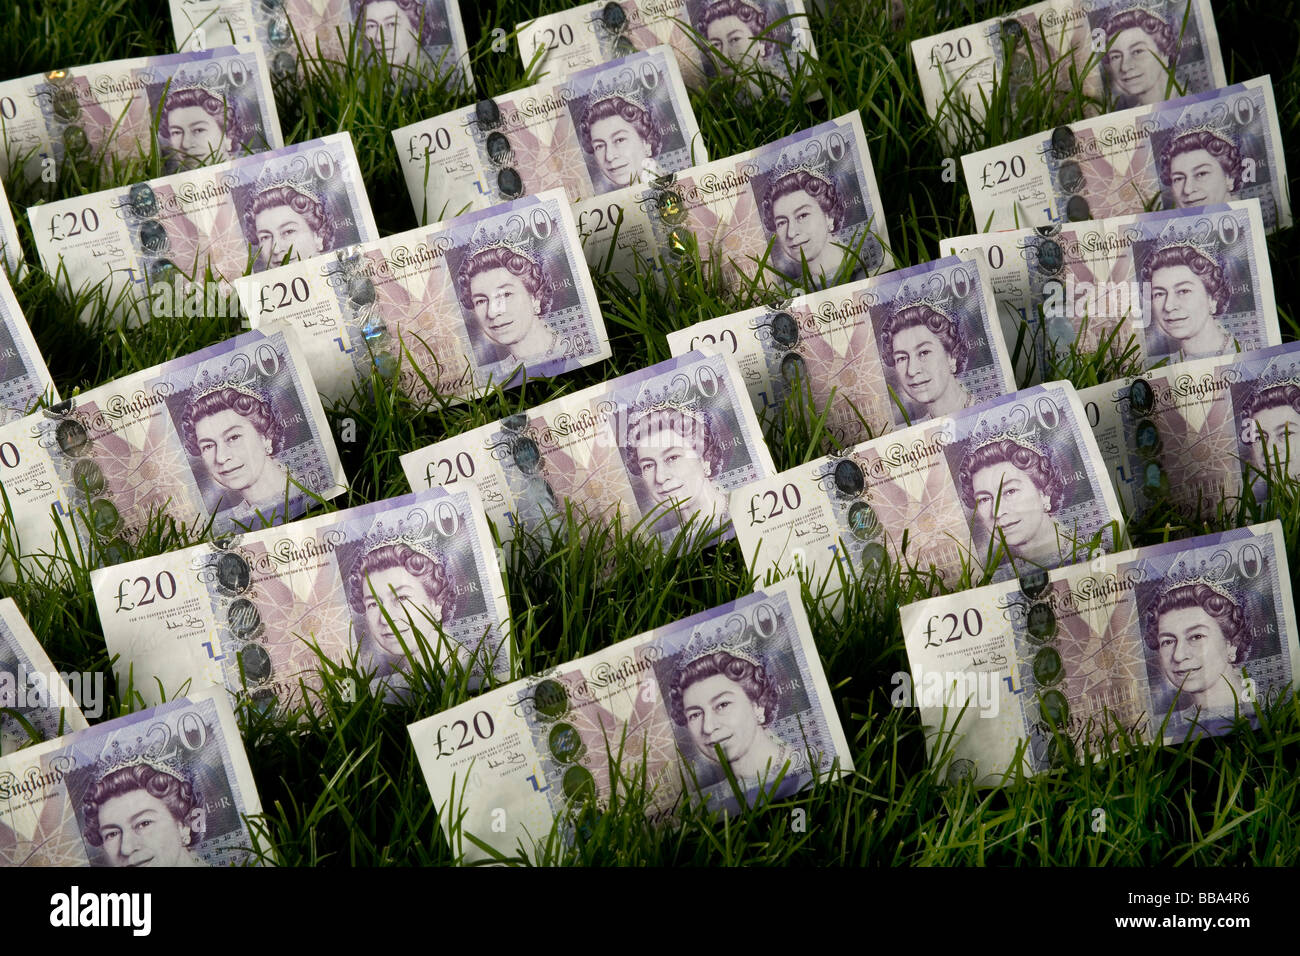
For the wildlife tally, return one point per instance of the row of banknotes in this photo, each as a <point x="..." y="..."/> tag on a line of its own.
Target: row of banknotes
<point x="1156" y="643"/>
<point x="231" y="440"/>
<point x="213" y="101"/>
<point x="424" y="40"/>
<point x="802" y="212"/>
<point x="472" y="302"/>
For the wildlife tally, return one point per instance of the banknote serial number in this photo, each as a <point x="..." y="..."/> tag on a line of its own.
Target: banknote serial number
<point x="468" y="731"/>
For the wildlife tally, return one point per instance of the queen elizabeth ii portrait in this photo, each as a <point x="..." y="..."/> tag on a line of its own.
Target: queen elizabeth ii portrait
<point x="1188" y="293"/>
<point x="287" y="221"/>
<point x="734" y="30"/>
<point x="1139" y="59"/>
<point x="144" y="814"/>
<point x="234" y="430"/>
<point x="1200" y="637"/>
<point x="1200" y="166"/>
<point x="727" y="701"/>
<point x="199" y="127"/>
<point x="618" y="130"/>
<point x="507" y="294"/>
<point x="802" y="209"/>
<point x="927" y="350"/>
<point x="396" y="588"/>
<point x="1271" y="432"/>
<point x="1015" y="491"/>
<point x="674" y="453"/>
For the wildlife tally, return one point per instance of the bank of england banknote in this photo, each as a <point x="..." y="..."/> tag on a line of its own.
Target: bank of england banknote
<point x="739" y="686"/>
<point x="145" y="248"/>
<point x="11" y="250"/>
<point x="451" y="310"/>
<point x="1152" y="645"/>
<point x="192" y="108"/>
<point x="167" y="786"/>
<point x="881" y="353"/>
<point x="35" y="703"/>
<point x="421" y="40"/>
<point x="594" y="131"/>
<point x="709" y="37"/>
<point x="256" y="614"/>
<point x="661" y="448"/>
<point x="1117" y="54"/>
<point x="1197" y="150"/>
<point x="202" y="24"/>
<point x="24" y="379"/>
<point x="1157" y="287"/>
<point x="231" y="438"/>
<point x="1013" y="484"/>
<point x="1200" y="434"/>
<point x="804" y="211"/>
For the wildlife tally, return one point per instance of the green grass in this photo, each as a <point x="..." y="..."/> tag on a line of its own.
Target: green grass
<point x="349" y="790"/>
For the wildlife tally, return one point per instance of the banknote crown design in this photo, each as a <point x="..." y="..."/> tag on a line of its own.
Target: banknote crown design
<point x="145" y="752"/>
<point x="197" y="81"/>
<point x="501" y="238"/>
<point x="1202" y="247"/>
<point x="940" y="302"/>
<point x="1279" y="374"/>
<point x="292" y="175"/>
<point x="411" y="534"/>
<point x="209" y="382"/>
<point x="653" y="401"/>
<point x="1184" y="575"/>
<point x="988" y="433"/>
<point x="703" y="643"/>
<point x="788" y="167"/>
<point x="614" y="91"/>
<point x="1208" y="125"/>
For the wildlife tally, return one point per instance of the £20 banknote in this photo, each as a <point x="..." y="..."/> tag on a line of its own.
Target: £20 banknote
<point x="408" y="579"/>
<point x="661" y="448"/>
<point x="1155" y="288"/>
<point x="879" y="354"/>
<point x="595" y="131"/>
<point x="230" y="438"/>
<point x="144" y="247"/>
<point x="1199" y="435"/>
<point x="1114" y="54"/>
<point x="802" y="211"/>
<point x="178" y="768"/>
<point x="193" y="108"/>
<point x="1013" y="484"/>
<point x="737" y="688"/>
<point x="452" y="310"/>
<point x="1197" y="150"/>
<point x="1156" y="644"/>
<point x="709" y="37"/>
